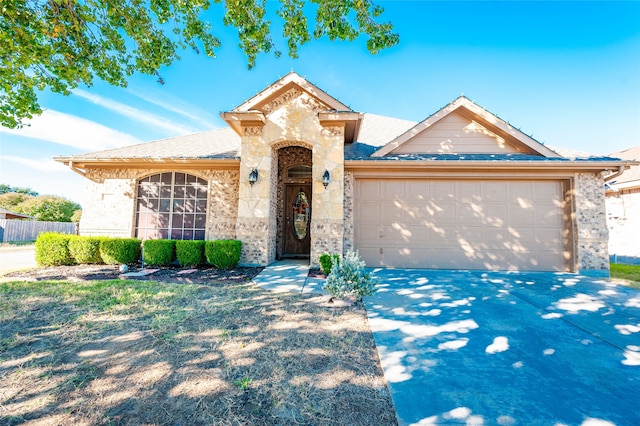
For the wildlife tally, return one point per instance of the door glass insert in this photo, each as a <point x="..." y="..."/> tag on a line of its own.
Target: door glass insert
<point x="301" y="213"/>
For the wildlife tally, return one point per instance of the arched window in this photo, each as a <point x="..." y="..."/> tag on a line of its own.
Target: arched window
<point x="171" y="205"/>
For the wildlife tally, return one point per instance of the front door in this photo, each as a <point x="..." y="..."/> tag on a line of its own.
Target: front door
<point x="297" y="221"/>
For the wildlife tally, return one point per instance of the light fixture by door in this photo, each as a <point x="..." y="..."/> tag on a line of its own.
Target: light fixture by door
<point x="253" y="176"/>
<point x="326" y="178"/>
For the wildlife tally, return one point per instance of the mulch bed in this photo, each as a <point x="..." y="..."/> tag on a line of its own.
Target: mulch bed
<point x="203" y="275"/>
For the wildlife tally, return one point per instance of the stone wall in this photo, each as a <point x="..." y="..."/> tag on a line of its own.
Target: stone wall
<point x="291" y="119"/>
<point x="349" y="188"/>
<point x="591" y="234"/>
<point x="109" y="201"/>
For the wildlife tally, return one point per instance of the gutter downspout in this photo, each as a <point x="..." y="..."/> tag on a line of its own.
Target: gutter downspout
<point x="621" y="170"/>
<point x="77" y="170"/>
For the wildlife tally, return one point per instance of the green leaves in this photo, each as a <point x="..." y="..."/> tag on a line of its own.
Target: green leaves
<point x="59" y="44"/>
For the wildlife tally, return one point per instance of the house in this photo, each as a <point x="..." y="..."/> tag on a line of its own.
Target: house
<point x="298" y="173"/>
<point x="8" y="214"/>
<point x="623" y="210"/>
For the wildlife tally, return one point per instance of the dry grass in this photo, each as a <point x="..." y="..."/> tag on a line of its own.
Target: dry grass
<point x="130" y="352"/>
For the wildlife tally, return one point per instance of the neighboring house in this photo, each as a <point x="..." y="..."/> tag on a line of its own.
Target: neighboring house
<point x="8" y="214"/>
<point x="298" y="173"/>
<point x="623" y="210"/>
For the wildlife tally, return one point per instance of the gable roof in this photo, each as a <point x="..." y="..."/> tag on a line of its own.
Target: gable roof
<point x="467" y="108"/>
<point x="289" y="81"/>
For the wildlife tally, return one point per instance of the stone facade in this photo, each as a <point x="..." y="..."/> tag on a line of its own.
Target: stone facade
<point x="111" y="193"/>
<point x="591" y="234"/>
<point x="291" y="121"/>
<point x="349" y="188"/>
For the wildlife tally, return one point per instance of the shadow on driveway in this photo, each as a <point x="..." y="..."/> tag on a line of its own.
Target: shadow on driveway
<point x="461" y="347"/>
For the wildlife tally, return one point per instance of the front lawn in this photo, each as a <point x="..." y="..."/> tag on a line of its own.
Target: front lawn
<point x="142" y="352"/>
<point x="630" y="273"/>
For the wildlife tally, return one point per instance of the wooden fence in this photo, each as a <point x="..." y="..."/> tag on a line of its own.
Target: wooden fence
<point x="28" y="230"/>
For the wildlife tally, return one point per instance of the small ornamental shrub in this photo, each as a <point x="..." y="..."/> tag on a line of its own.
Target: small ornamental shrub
<point x="327" y="260"/>
<point x="159" y="252"/>
<point x="190" y="253"/>
<point x="116" y="251"/>
<point x="52" y="249"/>
<point x="348" y="278"/>
<point x="85" y="250"/>
<point x="223" y="254"/>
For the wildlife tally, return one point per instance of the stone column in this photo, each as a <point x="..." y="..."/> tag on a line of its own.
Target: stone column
<point x="327" y="227"/>
<point x="590" y="220"/>
<point x="254" y="201"/>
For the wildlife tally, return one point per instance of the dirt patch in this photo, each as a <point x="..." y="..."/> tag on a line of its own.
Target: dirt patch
<point x="221" y="351"/>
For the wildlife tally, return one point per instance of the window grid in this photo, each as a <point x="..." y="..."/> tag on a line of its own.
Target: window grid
<point x="171" y="205"/>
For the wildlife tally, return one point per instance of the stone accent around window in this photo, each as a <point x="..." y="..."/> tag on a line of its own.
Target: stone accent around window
<point x="591" y="233"/>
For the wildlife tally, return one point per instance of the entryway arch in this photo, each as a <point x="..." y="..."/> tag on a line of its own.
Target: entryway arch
<point x="294" y="199"/>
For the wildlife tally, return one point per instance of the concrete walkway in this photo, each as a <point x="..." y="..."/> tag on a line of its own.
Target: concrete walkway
<point x="290" y="276"/>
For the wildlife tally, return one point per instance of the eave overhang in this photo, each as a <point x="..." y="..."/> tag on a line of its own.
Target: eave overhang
<point x="608" y="167"/>
<point x="351" y="121"/>
<point x="80" y="165"/>
<point x="238" y="120"/>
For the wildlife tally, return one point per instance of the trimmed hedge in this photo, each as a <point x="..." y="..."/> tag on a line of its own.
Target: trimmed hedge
<point x="52" y="249"/>
<point x="115" y="251"/>
<point x="159" y="252"/>
<point x="190" y="252"/>
<point x="84" y="250"/>
<point x="223" y="254"/>
<point x="327" y="260"/>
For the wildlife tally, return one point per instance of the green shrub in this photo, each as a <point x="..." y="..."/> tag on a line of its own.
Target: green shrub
<point x="84" y="250"/>
<point x="115" y="251"/>
<point x="53" y="249"/>
<point x="190" y="253"/>
<point x="327" y="260"/>
<point x="223" y="254"/>
<point x="348" y="278"/>
<point x="158" y="252"/>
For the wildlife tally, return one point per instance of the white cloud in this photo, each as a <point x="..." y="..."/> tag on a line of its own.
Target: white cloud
<point x="42" y="164"/>
<point x="194" y="114"/>
<point x="70" y="130"/>
<point x="136" y="114"/>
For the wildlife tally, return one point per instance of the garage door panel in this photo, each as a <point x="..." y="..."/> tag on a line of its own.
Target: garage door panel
<point x="368" y="190"/>
<point x="368" y="234"/>
<point x="417" y="190"/>
<point x="503" y="225"/>
<point x="442" y="191"/>
<point x="520" y="216"/>
<point x="370" y="255"/>
<point x="369" y="213"/>
<point x="393" y="190"/>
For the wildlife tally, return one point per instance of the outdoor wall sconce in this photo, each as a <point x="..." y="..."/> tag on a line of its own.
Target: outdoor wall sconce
<point x="253" y="176"/>
<point x="326" y="178"/>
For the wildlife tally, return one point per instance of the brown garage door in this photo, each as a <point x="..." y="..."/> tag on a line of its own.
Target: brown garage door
<point x="495" y="225"/>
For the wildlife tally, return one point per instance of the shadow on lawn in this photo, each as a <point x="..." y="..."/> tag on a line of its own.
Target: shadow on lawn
<point x="141" y="352"/>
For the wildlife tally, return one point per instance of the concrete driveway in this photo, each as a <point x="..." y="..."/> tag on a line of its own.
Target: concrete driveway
<point x="479" y="348"/>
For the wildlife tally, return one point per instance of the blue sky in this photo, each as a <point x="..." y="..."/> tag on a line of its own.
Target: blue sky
<point x="566" y="73"/>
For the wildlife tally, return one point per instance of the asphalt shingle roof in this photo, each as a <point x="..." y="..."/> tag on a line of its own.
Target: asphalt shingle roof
<point x="218" y="143"/>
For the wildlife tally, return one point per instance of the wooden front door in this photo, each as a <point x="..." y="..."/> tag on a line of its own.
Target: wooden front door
<point x="297" y="221"/>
